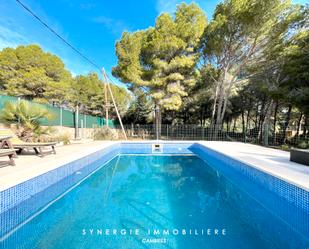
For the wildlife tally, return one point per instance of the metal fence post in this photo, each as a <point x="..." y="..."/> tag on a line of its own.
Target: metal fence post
<point x="245" y="136"/>
<point x="82" y="128"/>
<point x="18" y="121"/>
<point x="61" y="121"/>
<point x="76" y="122"/>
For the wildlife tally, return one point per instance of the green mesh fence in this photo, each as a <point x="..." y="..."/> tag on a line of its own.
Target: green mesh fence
<point x="61" y="116"/>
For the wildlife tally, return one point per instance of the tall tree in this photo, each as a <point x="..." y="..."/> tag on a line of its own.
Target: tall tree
<point x="236" y="37"/>
<point x="87" y="92"/>
<point x="162" y="59"/>
<point x="140" y="109"/>
<point x="83" y="89"/>
<point x="28" y="71"/>
<point x="31" y="73"/>
<point x="283" y="70"/>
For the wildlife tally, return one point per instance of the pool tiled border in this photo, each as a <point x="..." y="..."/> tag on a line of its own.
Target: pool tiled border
<point x="285" y="200"/>
<point x="21" y="201"/>
<point x="24" y="199"/>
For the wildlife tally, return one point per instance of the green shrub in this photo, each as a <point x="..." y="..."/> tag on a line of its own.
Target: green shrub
<point x="105" y="133"/>
<point x="65" y="138"/>
<point x="27" y="118"/>
<point x="285" y="147"/>
<point x="303" y="145"/>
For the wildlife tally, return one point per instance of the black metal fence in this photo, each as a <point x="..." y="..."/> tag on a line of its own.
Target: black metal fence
<point x="267" y="137"/>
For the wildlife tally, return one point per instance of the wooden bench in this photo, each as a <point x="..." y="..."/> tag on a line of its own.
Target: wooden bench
<point x="8" y="139"/>
<point x="37" y="147"/>
<point x="10" y="153"/>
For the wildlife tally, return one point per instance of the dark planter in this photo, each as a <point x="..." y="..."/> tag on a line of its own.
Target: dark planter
<point x="299" y="156"/>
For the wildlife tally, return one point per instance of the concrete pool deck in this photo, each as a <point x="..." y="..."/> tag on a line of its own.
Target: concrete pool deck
<point x="272" y="161"/>
<point x="29" y="166"/>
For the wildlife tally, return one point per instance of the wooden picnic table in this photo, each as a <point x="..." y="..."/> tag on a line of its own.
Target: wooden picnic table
<point x="6" y="143"/>
<point x="7" y="149"/>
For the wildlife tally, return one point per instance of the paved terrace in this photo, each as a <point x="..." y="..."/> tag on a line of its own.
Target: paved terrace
<point x="272" y="161"/>
<point x="275" y="162"/>
<point x="29" y="166"/>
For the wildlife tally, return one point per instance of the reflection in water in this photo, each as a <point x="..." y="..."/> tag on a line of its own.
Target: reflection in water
<point x="152" y="193"/>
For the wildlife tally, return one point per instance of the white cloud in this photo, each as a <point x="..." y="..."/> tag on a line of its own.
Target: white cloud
<point x="167" y="5"/>
<point x="114" y="26"/>
<point x="10" y="38"/>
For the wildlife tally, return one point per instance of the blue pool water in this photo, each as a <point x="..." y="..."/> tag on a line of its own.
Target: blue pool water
<point x="124" y="203"/>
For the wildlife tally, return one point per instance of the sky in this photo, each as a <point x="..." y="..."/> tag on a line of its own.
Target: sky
<point x="92" y="26"/>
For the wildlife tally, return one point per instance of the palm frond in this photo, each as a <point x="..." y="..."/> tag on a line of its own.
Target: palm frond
<point x="26" y="115"/>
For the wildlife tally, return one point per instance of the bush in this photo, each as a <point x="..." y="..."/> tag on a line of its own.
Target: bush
<point x="303" y="145"/>
<point x="42" y="134"/>
<point x="65" y="138"/>
<point x="285" y="147"/>
<point x="105" y="133"/>
<point x="27" y="118"/>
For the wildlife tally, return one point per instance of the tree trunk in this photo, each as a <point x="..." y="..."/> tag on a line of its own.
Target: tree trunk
<point x="185" y="117"/>
<point x="218" y="114"/>
<point x="201" y="117"/>
<point x="275" y="122"/>
<point x="243" y="121"/>
<point x="234" y="126"/>
<point x="261" y="120"/>
<point x="305" y="129"/>
<point x="228" y="125"/>
<point x="299" y="123"/>
<point x="265" y="124"/>
<point x="158" y="121"/>
<point x="286" y="124"/>
<point x="226" y="83"/>
<point x="256" y="115"/>
<point x="214" y="106"/>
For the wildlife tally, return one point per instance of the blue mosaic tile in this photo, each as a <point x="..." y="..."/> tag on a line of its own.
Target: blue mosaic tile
<point x="146" y="148"/>
<point x="21" y="201"/>
<point x="283" y="199"/>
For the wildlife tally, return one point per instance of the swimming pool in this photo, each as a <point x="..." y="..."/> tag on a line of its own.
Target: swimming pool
<point x="132" y="196"/>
